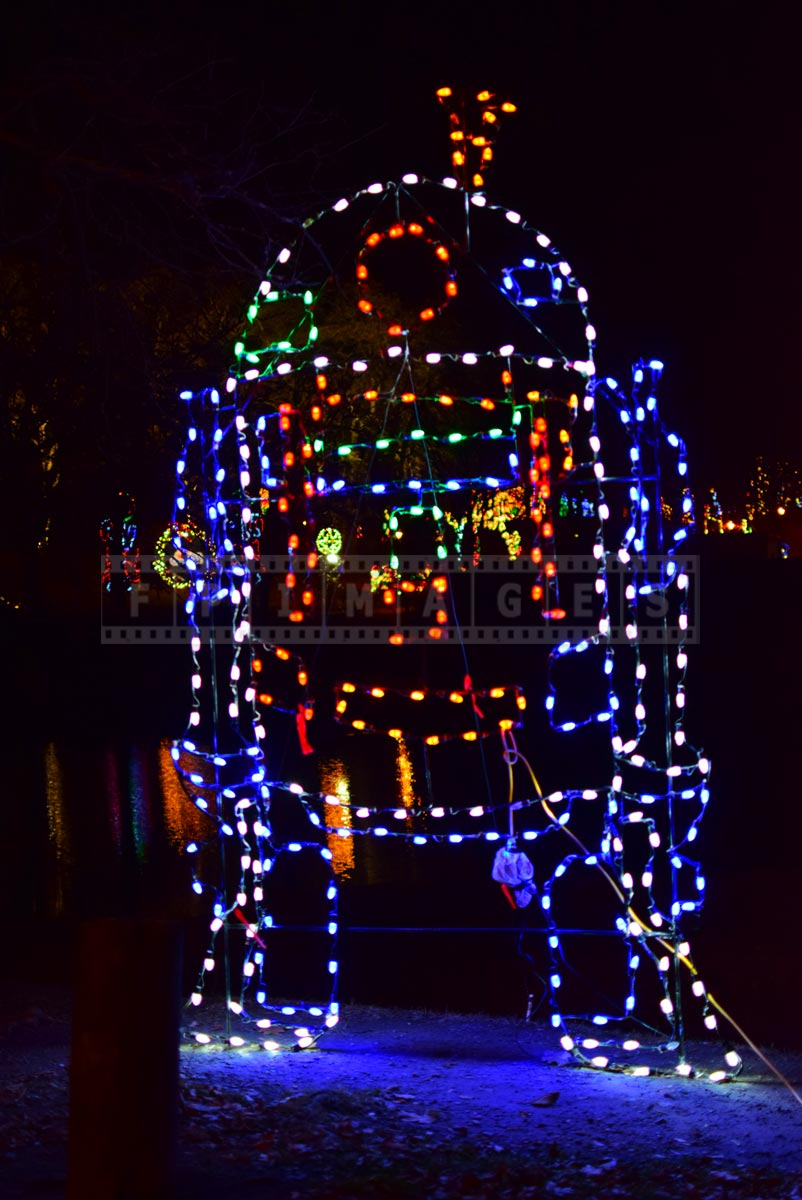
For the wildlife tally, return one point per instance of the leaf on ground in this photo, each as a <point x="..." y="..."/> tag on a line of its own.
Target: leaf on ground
<point x="546" y="1100"/>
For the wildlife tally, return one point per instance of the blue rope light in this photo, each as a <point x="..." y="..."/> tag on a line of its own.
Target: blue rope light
<point x="261" y="452"/>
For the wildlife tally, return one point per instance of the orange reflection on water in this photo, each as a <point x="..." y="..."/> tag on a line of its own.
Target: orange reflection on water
<point x="405" y="775"/>
<point x="182" y="820"/>
<point x="57" y="830"/>
<point x="334" y="781"/>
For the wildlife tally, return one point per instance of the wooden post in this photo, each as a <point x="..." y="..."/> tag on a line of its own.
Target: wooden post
<point x="124" y="1061"/>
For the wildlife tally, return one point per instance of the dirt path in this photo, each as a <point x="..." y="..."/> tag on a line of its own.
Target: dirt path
<point x="398" y="1103"/>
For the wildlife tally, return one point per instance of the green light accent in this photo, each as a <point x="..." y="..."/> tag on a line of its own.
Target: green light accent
<point x="272" y="297"/>
<point x="313" y="332"/>
<point x="317" y="445"/>
<point x="394" y="562"/>
<point x="437" y="513"/>
<point x="344" y="450"/>
<point x="382" y="443"/>
<point x="174" y="546"/>
<point x="417" y="511"/>
<point x="252" y="358"/>
<point x="252" y="311"/>
<point x="284" y="345"/>
<point x="393" y="522"/>
<point x="495" y="433"/>
<point x="456" y="437"/>
<point x="516" y="416"/>
<point x="442" y="552"/>
<point x="239" y="349"/>
<point x="307" y="297"/>
<point x="330" y="542"/>
<point x="417" y="434"/>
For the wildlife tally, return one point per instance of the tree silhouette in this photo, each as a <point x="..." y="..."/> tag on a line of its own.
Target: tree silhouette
<point x="139" y="202"/>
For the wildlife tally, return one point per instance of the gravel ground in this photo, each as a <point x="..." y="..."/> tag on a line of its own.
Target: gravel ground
<point x="399" y="1103"/>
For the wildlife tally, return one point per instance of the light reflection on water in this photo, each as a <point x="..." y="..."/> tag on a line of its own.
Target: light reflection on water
<point x="114" y="809"/>
<point x="117" y="821"/>
<point x="352" y="853"/>
<point x="405" y="777"/>
<point x="108" y="824"/>
<point x="141" y="805"/>
<point x="104" y="829"/>
<point x="183" y="821"/>
<point x="334" y="781"/>
<point x="58" y="831"/>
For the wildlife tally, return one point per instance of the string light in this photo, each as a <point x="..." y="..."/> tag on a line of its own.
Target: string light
<point x="473" y="132"/>
<point x="481" y="722"/>
<point x="119" y="537"/>
<point x="441" y="253"/>
<point x="535" y="414"/>
<point x="180" y="555"/>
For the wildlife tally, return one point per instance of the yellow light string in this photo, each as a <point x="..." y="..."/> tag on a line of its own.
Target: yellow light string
<point x="512" y="755"/>
<point x="472" y="137"/>
<point x="266" y="699"/>
<point x="455" y="696"/>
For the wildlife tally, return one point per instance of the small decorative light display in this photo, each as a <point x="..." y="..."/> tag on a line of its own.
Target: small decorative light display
<point x="181" y="554"/>
<point x="330" y="542"/>
<point x="474" y="430"/>
<point x="118" y="536"/>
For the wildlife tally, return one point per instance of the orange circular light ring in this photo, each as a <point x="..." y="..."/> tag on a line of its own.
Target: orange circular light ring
<point x="396" y="232"/>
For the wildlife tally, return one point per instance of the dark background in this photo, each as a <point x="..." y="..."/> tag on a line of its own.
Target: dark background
<point x="656" y="144"/>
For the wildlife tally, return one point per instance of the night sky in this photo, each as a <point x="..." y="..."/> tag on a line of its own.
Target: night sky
<point x="655" y="143"/>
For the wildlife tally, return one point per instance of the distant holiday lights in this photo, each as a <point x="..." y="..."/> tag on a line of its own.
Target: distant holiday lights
<point x="552" y="445"/>
<point x="119" y="537"/>
<point x="180" y="554"/>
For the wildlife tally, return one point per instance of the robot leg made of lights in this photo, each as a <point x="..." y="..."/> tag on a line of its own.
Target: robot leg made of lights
<point x="216" y="538"/>
<point x="636" y="834"/>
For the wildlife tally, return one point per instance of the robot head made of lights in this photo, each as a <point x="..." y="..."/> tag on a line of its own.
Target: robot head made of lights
<point x="417" y="374"/>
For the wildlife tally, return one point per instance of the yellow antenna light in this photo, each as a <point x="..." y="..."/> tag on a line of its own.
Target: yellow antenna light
<point x="474" y="121"/>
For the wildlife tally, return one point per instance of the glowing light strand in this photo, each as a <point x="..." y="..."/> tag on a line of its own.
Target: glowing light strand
<point x="625" y="808"/>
